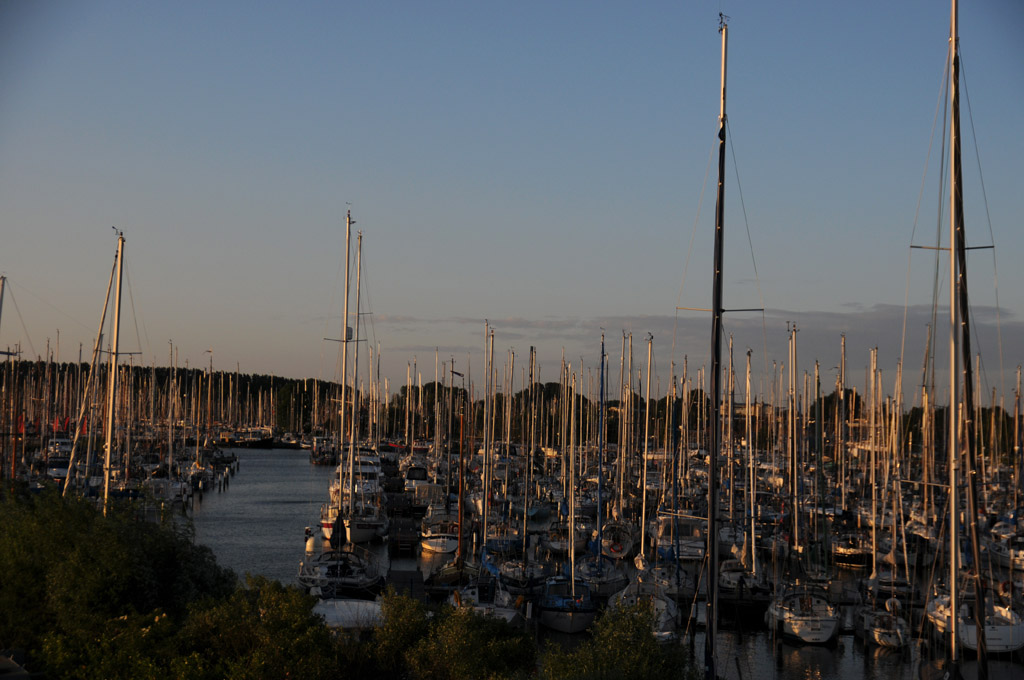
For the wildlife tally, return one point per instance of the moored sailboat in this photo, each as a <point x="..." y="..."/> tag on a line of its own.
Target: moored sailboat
<point x="804" y="613"/>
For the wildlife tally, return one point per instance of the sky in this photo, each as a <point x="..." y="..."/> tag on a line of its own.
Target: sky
<point x="544" y="168"/>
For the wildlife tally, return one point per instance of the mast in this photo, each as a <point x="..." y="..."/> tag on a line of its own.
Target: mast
<point x="647" y="437"/>
<point x="1016" y="441"/>
<point x="600" y="460"/>
<point x="840" y="448"/>
<point x="959" y="313"/>
<point x="485" y="504"/>
<point x="344" y="359"/>
<point x="170" y="408"/>
<point x="715" y="388"/>
<point x="355" y="386"/>
<point x="112" y="385"/>
<point x="572" y="488"/>
<point x="873" y="443"/>
<point x="751" y="489"/>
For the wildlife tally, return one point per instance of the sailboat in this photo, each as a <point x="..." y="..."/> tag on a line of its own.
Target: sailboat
<point x="604" y="575"/>
<point x="804" y="613"/>
<point x="351" y="571"/>
<point x="645" y="588"/>
<point x="567" y="604"/>
<point x="802" y="609"/>
<point x="742" y="583"/>
<point x="981" y="625"/>
<point x="364" y="517"/>
<point x="354" y="510"/>
<point x="882" y="625"/>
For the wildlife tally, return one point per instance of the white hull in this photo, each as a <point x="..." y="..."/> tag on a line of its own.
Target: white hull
<point x="360" y="530"/>
<point x="440" y="543"/>
<point x="883" y="629"/>
<point x="1004" y="628"/>
<point x="814" y="630"/>
<point x="805" y="616"/>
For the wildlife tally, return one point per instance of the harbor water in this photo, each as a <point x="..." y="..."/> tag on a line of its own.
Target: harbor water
<point x="256" y="525"/>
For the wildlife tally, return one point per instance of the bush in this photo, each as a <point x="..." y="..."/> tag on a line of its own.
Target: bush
<point x="77" y="588"/>
<point x="263" y="630"/>
<point x="405" y="622"/>
<point x="622" y="647"/>
<point x="465" y="645"/>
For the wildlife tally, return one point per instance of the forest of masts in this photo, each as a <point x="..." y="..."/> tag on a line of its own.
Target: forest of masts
<point x="43" y="398"/>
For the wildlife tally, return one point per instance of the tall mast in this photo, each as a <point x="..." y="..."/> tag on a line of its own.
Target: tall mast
<point x="170" y="408"/>
<point x="355" y="386"/>
<point x="751" y="489"/>
<point x="873" y="443"/>
<point x="840" y="448"/>
<point x="959" y="315"/>
<point x="715" y="388"/>
<point x="112" y="384"/>
<point x="600" y="459"/>
<point x="344" y="352"/>
<point x="647" y="437"/>
<point x="1016" y="442"/>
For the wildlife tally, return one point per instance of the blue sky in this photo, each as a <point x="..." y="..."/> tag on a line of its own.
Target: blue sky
<point x="539" y="165"/>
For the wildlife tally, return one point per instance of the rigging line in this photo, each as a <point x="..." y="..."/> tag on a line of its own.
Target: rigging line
<point x="988" y="219"/>
<point x="693" y="236"/>
<point x="750" y="245"/>
<point x="369" y="305"/>
<point x="327" y="324"/>
<point x="54" y="308"/>
<point x="135" y="317"/>
<point x="938" y="281"/>
<point x="28" y="338"/>
<point x="939" y="106"/>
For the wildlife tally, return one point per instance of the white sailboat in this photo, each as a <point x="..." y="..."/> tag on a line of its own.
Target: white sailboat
<point x="1003" y="628"/>
<point x="804" y="613"/>
<point x="364" y="516"/>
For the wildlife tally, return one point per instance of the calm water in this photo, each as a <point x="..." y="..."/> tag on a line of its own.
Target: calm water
<point x="257" y="525"/>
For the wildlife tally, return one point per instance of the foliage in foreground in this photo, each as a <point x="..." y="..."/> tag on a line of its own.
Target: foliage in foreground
<point x="88" y="596"/>
<point x="621" y="647"/>
<point x="72" y="580"/>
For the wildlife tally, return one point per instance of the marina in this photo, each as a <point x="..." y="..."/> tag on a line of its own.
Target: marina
<point x="787" y="522"/>
<point x="276" y="492"/>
